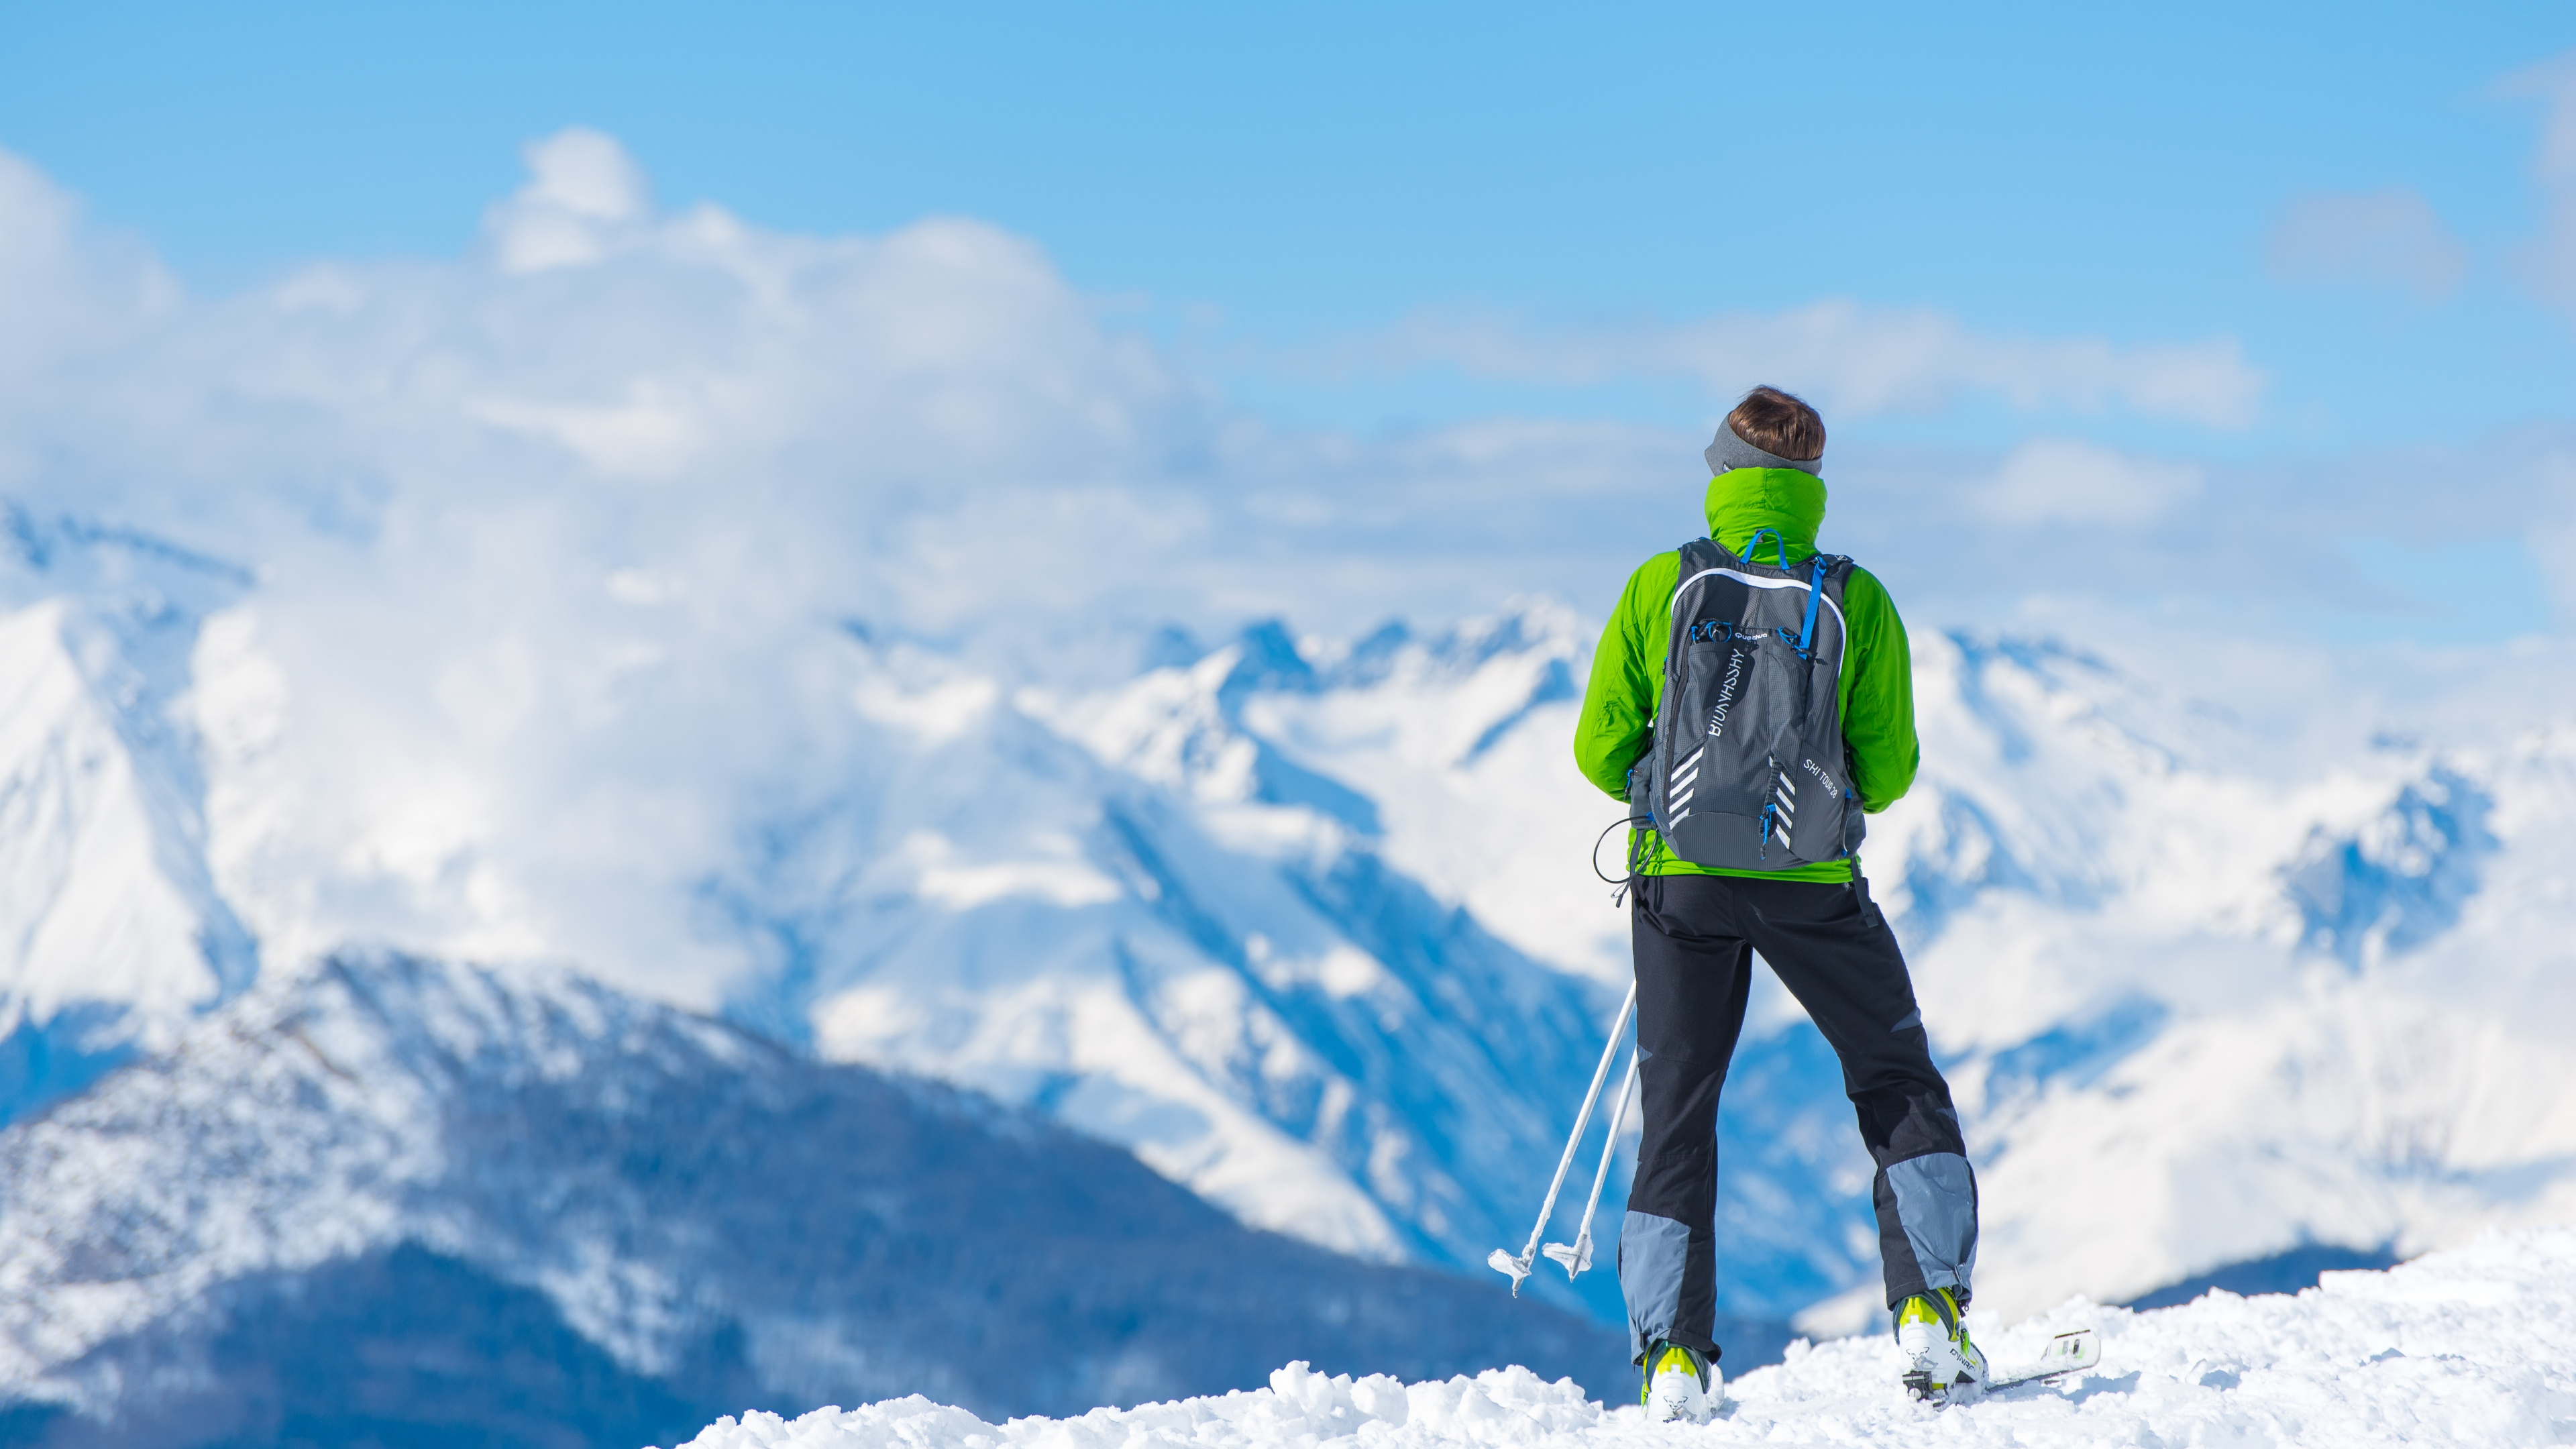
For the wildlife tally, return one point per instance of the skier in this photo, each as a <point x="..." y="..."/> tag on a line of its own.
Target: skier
<point x="1722" y="870"/>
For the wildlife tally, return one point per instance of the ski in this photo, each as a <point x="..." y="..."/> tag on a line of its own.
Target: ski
<point x="2066" y="1353"/>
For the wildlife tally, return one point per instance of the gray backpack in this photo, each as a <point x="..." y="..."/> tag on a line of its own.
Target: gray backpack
<point x="1746" y="769"/>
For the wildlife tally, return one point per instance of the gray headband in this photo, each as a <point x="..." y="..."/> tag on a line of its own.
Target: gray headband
<point x="1730" y="452"/>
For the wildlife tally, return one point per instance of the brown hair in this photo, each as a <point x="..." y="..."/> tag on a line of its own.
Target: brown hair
<point x="1779" y="423"/>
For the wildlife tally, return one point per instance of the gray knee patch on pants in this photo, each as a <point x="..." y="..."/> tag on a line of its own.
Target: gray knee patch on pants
<point x="1652" y="1251"/>
<point x="1936" y="1204"/>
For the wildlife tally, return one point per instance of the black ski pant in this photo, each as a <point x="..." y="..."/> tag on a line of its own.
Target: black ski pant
<point x="1695" y="936"/>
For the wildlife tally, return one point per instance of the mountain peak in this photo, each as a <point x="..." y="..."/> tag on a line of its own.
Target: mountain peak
<point x="116" y="932"/>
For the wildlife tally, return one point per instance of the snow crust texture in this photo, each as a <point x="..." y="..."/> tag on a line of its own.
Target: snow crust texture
<point x="2465" y="1348"/>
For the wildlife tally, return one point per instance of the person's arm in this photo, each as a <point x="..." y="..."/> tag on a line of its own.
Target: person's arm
<point x="1878" y="696"/>
<point x="1619" y="703"/>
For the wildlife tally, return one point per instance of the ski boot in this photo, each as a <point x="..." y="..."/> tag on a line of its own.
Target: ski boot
<point x="1680" y="1385"/>
<point x="1942" y="1365"/>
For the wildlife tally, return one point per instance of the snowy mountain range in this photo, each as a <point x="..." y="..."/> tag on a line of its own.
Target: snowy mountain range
<point x="1163" y="931"/>
<point x="388" y="1192"/>
<point x="1306" y="927"/>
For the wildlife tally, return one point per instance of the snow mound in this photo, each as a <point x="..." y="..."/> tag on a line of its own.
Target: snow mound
<point x="2465" y="1347"/>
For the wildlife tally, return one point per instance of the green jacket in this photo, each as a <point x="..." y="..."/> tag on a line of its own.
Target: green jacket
<point x="1876" y="692"/>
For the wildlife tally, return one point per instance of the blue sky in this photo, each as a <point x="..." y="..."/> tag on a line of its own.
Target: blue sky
<point x="1256" y="178"/>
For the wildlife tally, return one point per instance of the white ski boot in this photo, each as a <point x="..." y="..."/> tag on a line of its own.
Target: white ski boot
<point x="1680" y="1385"/>
<point x="1942" y="1365"/>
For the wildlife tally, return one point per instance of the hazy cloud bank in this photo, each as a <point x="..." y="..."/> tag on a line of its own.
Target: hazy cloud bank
<point x="2388" y="238"/>
<point x="1852" y="359"/>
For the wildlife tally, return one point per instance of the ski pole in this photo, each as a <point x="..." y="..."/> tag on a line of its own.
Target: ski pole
<point x="1579" y="1257"/>
<point x="1501" y="1260"/>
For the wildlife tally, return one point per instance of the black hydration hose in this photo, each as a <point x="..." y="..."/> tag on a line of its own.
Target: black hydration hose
<point x="1636" y="855"/>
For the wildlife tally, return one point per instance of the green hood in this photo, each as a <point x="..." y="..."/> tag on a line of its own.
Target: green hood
<point x="1785" y="500"/>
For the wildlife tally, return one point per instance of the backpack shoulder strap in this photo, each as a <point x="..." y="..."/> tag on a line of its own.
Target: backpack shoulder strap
<point x="1699" y="556"/>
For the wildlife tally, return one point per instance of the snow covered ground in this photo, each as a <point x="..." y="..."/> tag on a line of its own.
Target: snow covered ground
<point x="2468" y="1348"/>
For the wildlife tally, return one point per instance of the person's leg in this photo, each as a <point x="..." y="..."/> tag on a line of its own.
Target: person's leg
<point x="1833" y="950"/>
<point x="1693" y="970"/>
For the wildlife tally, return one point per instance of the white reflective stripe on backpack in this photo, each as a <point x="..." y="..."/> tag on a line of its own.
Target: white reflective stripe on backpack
<point x="1841" y="626"/>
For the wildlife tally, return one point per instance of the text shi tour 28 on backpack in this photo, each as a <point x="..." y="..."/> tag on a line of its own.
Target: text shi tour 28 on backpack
<point x="1746" y="768"/>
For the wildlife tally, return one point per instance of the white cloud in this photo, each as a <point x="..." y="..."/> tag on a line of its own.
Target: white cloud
<point x="1852" y="359"/>
<point x="2551" y="262"/>
<point x="2389" y="238"/>
<point x="647" y="433"/>
<point x="66" y="290"/>
<point x="2066" y="480"/>
<point x="583" y="194"/>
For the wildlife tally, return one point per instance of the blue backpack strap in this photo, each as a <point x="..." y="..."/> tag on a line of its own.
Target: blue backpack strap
<point x="1805" y="640"/>
<point x="1815" y="593"/>
<point x="1753" y="546"/>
